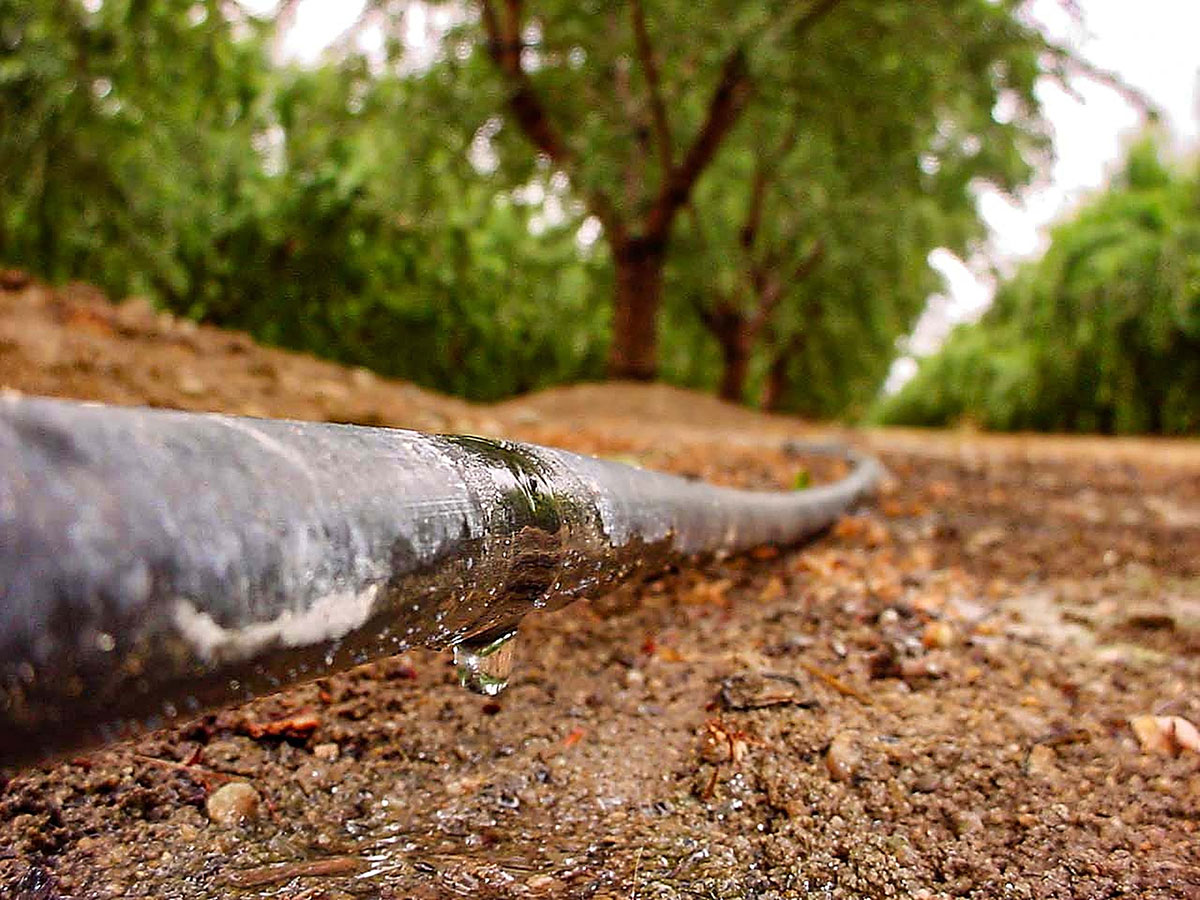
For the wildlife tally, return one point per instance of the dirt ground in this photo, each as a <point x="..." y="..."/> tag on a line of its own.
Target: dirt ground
<point x="964" y="690"/>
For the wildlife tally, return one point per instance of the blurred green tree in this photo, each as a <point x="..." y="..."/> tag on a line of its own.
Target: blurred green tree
<point x="1102" y="334"/>
<point x="389" y="212"/>
<point x="380" y="245"/>
<point x="154" y="148"/>
<point x="124" y="131"/>
<point x="636" y="102"/>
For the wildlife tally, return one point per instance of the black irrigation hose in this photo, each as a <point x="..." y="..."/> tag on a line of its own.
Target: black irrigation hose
<point x="154" y="564"/>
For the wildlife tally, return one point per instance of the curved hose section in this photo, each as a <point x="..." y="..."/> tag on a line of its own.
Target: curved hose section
<point x="154" y="564"/>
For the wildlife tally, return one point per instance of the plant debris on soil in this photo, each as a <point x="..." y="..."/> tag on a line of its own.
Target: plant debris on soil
<point x="984" y="685"/>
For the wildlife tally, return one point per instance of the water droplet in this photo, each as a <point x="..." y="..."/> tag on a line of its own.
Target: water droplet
<point x="485" y="663"/>
<point x="105" y="642"/>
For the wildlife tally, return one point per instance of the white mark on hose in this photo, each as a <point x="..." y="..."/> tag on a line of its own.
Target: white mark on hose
<point x="329" y="618"/>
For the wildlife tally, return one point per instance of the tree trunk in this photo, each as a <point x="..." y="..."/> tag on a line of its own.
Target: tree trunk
<point x="634" y="350"/>
<point x="735" y="337"/>
<point x="776" y="383"/>
<point x="735" y="352"/>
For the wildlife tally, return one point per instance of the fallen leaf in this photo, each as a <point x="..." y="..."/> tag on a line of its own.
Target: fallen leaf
<point x="1165" y="735"/>
<point x="772" y="590"/>
<point x="297" y="727"/>
<point x="938" y="634"/>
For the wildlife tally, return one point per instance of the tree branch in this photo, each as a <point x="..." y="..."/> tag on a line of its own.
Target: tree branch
<point x="706" y="315"/>
<point x="504" y="46"/>
<point x="1070" y="62"/>
<point x="801" y="22"/>
<point x="635" y="163"/>
<point x="754" y="209"/>
<point x="769" y="297"/>
<point x="812" y="16"/>
<point x="771" y="288"/>
<point x="764" y="167"/>
<point x="726" y="105"/>
<point x="810" y="262"/>
<point x="658" y="109"/>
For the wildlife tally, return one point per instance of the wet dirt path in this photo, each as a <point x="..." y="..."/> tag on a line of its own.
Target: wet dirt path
<point x="936" y="699"/>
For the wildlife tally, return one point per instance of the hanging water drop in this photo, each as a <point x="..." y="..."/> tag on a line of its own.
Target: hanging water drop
<point x="485" y="663"/>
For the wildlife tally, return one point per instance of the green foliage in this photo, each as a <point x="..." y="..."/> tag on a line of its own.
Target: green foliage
<point x="1102" y="334"/>
<point x="158" y="152"/>
<point x="388" y="217"/>
<point x="886" y="127"/>
<point x="122" y="135"/>
<point x="436" y="279"/>
<point x="894" y="108"/>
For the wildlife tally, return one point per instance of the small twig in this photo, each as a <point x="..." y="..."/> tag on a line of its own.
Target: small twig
<point x="662" y="125"/>
<point x="836" y="683"/>
<point x="189" y="768"/>
<point x="1072" y="63"/>
<point x="1070" y="736"/>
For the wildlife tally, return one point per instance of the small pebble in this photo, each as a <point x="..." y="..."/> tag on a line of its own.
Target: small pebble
<point x="232" y="804"/>
<point x="327" y="752"/>
<point x="938" y="635"/>
<point x="543" y="884"/>
<point x="191" y="385"/>
<point x="1042" y="761"/>
<point x="966" y="822"/>
<point x="1166" y="735"/>
<point x="842" y="758"/>
<point x="927" y="784"/>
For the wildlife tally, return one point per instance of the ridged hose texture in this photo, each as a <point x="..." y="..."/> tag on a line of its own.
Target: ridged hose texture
<point x="154" y="564"/>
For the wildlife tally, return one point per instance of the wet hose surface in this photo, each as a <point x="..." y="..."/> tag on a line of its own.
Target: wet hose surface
<point x="154" y="564"/>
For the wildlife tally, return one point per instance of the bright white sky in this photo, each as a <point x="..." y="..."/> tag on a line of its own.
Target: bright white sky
<point x="1154" y="45"/>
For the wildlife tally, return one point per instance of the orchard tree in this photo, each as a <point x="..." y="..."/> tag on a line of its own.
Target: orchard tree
<point x="634" y="112"/>
<point x="737" y="291"/>
<point x="635" y="102"/>
<point x="805" y="254"/>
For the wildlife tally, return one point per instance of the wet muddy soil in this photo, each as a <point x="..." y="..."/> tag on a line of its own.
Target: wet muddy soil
<point x="938" y="698"/>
